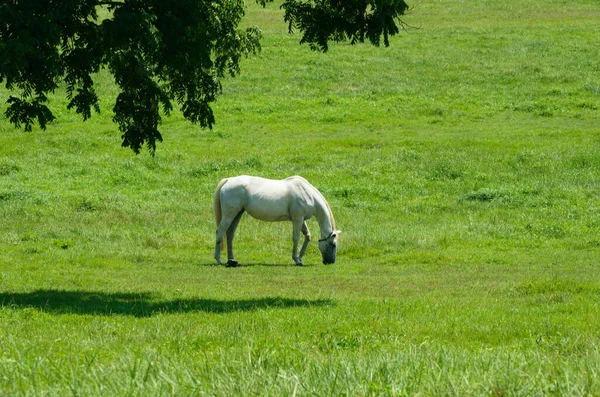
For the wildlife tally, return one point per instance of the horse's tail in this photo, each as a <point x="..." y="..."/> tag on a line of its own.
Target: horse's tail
<point x="217" y="205"/>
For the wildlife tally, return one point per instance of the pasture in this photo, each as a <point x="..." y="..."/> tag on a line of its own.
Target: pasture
<point x="462" y="165"/>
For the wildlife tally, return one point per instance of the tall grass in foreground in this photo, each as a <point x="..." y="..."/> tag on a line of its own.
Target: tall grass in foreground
<point x="462" y="165"/>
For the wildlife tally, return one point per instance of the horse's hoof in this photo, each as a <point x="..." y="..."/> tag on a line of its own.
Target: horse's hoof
<point x="299" y="264"/>
<point x="232" y="263"/>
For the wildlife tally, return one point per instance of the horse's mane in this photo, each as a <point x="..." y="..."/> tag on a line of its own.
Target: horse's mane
<point x="328" y="209"/>
<point x="325" y="201"/>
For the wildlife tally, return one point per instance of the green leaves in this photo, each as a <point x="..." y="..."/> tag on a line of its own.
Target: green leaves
<point x="338" y="20"/>
<point x="38" y="47"/>
<point x="22" y="113"/>
<point x="157" y="50"/>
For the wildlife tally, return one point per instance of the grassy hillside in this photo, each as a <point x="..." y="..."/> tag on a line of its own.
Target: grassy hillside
<point x="462" y="164"/>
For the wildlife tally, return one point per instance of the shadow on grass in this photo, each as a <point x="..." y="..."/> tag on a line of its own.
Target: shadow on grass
<point x="269" y="264"/>
<point x="253" y="264"/>
<point x="140" y="304"/>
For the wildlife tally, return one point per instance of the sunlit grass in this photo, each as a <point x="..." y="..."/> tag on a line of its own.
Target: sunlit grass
<point x="462" y="167"/>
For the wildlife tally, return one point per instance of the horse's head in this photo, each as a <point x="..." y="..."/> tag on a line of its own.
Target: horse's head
<point x="328" y="247"/>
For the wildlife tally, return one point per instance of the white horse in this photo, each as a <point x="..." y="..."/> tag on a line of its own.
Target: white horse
<point x="292" y="199"/>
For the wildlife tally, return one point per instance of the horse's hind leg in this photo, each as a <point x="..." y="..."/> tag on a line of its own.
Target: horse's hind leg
<point x="231" y="262"/>
<point x="221" y="230"/>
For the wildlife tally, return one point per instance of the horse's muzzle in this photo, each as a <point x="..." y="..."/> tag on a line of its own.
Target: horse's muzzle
<point x="329" y="257"/>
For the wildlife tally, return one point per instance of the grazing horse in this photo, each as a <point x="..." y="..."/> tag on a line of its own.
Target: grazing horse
<point x="293" y="199"/>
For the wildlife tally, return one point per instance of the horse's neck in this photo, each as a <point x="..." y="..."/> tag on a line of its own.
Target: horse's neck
<point x="322" y="211"/>
<point x="324" y="216"/>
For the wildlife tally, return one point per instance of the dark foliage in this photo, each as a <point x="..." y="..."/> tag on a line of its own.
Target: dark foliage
<point x="337" y="20"/>
<point x="157" y="51"/>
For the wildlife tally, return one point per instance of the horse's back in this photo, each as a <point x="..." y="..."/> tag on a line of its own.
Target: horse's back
<point x="257" y="186"/>
<point x="266" y="199"/>
<point x="262" y="198"/>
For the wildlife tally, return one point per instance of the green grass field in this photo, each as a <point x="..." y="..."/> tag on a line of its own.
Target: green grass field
<point x="462" y="164"/>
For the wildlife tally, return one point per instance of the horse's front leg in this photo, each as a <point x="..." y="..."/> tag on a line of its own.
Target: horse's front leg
<point x="297" y="226"/>
<point x="306" y="234"/>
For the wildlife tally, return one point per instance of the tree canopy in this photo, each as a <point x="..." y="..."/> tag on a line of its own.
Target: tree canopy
<point x="158" y="51"/>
